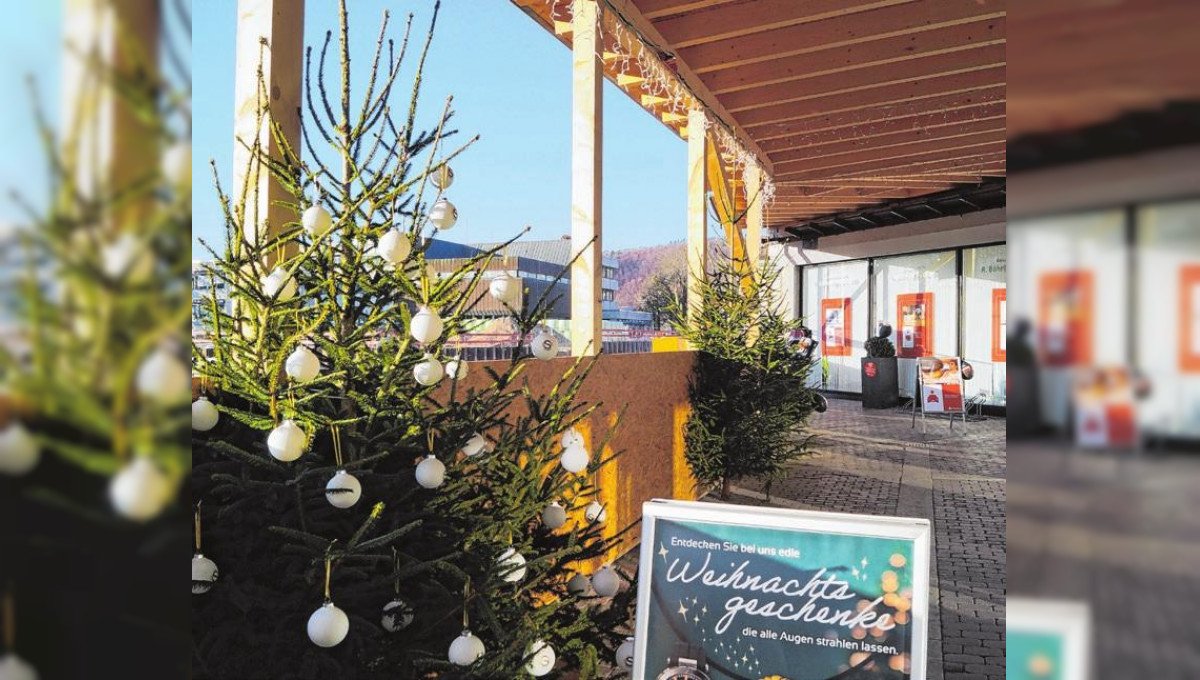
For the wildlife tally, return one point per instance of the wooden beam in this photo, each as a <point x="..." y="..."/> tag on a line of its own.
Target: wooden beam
<point x="280" y="23"/>
<point x="873" y="97"/>
<point x="921" y="140"/>
<point x="923" y="69"/>
<point x="658" y="9"/>
<point x="870" y="54"/>
<point x="107" y="146"/>
<point x="793" y="40"/>
<point x="755" y="184"/>
<point x="973" y="145"/>
<point x="740" y="21"/>
<point x="962" y="104"/>
<point x="889" y="128"/>
<point x="587" y="125"/>
<point x="697" y="210"/>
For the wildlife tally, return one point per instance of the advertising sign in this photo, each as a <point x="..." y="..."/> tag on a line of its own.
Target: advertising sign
<point x="835" y="327"/>
<point x="1189" y="319"/>
<point x="730" y="592"/>
<point x="941" y="384"/>
<point x="1105" y="414"/>
<point x="1046" y="640"/>
<point x="1000" y="324"/>
<point x="915" y="327"/>
<point x="1066" y="318"/>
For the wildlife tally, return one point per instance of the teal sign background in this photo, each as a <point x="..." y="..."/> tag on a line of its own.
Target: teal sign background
<point x="839" y="574"/>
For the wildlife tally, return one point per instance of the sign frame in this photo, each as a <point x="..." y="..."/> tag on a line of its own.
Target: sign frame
<point x="916" y="530"/>
<point x="919" y="393"/>
<point x="1071" y="621"/>
<point x="924" y="345"/>
<point x="844" y="304"/>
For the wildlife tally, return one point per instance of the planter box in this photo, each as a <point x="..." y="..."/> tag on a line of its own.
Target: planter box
<point x="880" y="382"/>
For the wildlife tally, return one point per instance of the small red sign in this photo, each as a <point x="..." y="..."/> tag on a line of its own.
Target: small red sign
<point x="870" y="369"/>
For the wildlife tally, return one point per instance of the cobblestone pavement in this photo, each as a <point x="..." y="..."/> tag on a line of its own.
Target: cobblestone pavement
<point x="1121" y="532"/>
<point x="876" y="462"/>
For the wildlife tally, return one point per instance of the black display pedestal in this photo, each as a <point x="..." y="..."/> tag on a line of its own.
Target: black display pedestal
<point x="880" y="382"/>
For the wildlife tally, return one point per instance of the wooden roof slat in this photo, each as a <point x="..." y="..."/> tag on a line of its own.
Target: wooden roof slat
<point x="899" y="130"/>
<point x="783" y="42"/>
<point x="727" y="22"/>
<point x="898" y="93"/>
<point x="975" y="154"/>
<point x="791" y="160"/>
<point x="659" y="9"/>
<point x="863" y="55"/>
<point x="978" y="58"/>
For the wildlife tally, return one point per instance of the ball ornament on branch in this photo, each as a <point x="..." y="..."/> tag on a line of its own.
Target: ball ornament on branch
<point x="466" y="649"/>
<point x="164" y="378"/>
<point x="140" y="491"/>
<point x="13" y="667"/>
<point x="394" y="246"/>
<point x="457" y="369"/>
<point x="431" y="472"/>
<point x="328" y="626"/>
<point x="443" y="177"/>
<point x="606" y="582"/>
<point x="343" y="490"/>
<point x="302" y="365"/>
<point x="19" y="451"/>
<point x="204" y="415"/>
<point x="428" y="371"/>
<point x="504" y="288"/>
<point x="397" y="616"/>
<point x="578" y="585"/>
<point x="511" y="565"/>
<point x="287" y="441"/>
<point x="575" y="459"/>
<point x="544" y="345"/>
<point x="554" y="516"/>
<point x="476" y="445"/>
<point x="443" y="214"/>
<point x="278" y="285"/>
<point x="624" y="655"/>
<point x="425" y="326"/>
<point x="541" y="658"/>
<point x="204" y="574"/>
<point x="316" y="221"/>
<point x="595" y="513"/>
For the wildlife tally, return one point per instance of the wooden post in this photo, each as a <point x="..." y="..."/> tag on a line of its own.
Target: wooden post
<point x="105" y="142"/>
<point x="754" y="216"/>
<point x="280" y="23"/>
<point x="697" y="209"/>
<point x="587" y="126"/>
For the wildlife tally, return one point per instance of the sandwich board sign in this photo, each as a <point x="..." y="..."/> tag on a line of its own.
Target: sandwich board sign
<point x="728" y="592"/>
<point x="940" y="388"/>
<point x="1047" y="639"/>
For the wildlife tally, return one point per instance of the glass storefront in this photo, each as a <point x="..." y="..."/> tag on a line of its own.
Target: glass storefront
<point x="932" y="308"/>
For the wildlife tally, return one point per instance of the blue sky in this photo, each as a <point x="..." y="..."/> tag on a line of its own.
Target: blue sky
<point x="29" y="40"/>
<point x="511" y="83"/>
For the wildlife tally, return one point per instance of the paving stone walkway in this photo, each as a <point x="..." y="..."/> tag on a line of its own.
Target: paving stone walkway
<point x="875" y="462"/>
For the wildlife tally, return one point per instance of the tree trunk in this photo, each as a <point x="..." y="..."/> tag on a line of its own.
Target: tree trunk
<point x="726" y="487"/>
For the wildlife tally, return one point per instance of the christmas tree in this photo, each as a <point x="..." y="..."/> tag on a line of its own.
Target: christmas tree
<point x="352" y="482"/>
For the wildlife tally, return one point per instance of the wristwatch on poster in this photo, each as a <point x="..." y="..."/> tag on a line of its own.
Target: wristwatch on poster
<point x="687" y="663"/>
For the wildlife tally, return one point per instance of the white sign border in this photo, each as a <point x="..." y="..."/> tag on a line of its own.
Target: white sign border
<point x="1069" y="619"/>
<point x="916" y="530"/>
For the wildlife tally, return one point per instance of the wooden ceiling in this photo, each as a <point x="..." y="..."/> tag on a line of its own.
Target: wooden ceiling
<point x="850" y="102"/>
<point x="1084" y="62"/>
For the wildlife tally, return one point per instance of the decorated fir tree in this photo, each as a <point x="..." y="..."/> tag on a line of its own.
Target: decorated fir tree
<point x="366" y="509"/>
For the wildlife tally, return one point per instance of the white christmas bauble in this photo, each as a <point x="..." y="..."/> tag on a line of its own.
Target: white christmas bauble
<point x="624" y="655"/>
<point x="126" y="255"/>
<point x="503" y="288"/>
<point x="204" y="574"/>
<point x="428" y="371"/>
<point x="394" y="246"/>
<point x="457" y="369"/>
<point x="287" y="441"/>
<point x="343" y="490"/>
<point x="13" y="667"/>
<point x="19" y="452"/>
<point x="316" y="221"/>
<point x="397" y="615"/>
<point x="177" y="165"/>
<point x="572" y="437"/>
<point x="164" y="378"/>
<point x="466" y="649"/>
<point x="595" y="513"/>
<point x="431" y="472"/>
<point x="512" y="565"/>
<point x="541" y="659"/>
<point x="606" y="582"/>
<point x="544" y="345"/>
<point x="476" y="445"/>
<point x="443" y="214"/>
<point x="328" y="626"/>
<point x="204" y="415"/>
<point x="426" y="326"/>
<point x="302" y="365"/>
<point x="579" y="584"/>
<point x="575" y="459"/>
<point x="554" y="516"/>
<point x="443" y="177"/>
<point x="278" y="283"/>
<point x="140" y="491"/>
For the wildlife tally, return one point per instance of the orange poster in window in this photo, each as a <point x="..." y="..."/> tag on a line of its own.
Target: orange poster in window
<point x="1189" y="319"/>
<point x="1066" y="318"/>
<point x="914" y="332"/>
<point x="835" y="327"/>
<point x="1000" y="324"/>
